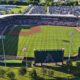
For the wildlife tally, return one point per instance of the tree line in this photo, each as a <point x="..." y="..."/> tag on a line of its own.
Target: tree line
<point x="40" y="2"/>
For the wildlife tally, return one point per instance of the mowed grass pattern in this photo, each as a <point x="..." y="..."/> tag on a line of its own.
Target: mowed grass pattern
<point x="50" y="38"/>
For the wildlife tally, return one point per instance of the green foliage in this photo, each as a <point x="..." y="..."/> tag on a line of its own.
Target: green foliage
<point x="22" y="71"/>
<point x="69" y="63"/>
<point x="50" y="72"/>
<point x="44" y="71"/>
<point x="2" y="72"/>
<point x="58" y="73"/>
<point x="11" y="75"/>
<point x="19" y="9"/>
<point x="78" y="64"/>
<point x="33" y="75"/>
<point x="29" y="63"/>
<point x="47" y="2"/>
<point x="34" y="1"/>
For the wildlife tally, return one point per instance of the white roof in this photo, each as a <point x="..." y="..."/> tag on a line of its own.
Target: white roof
<point x="67" y="15"/>
<point x="3" y="16"/>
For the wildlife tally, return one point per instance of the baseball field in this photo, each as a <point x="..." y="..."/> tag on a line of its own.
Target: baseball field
<point x="22" y="41"/>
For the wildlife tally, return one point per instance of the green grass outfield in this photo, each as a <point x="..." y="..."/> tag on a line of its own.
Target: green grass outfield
<point x="49" y="38"/>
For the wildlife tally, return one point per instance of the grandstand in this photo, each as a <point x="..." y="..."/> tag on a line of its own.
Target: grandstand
<point x="38" y="10"/>
<point x="63" y="10"/>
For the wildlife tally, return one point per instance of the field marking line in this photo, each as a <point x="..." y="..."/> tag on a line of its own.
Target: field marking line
<point x="77" y="28"/>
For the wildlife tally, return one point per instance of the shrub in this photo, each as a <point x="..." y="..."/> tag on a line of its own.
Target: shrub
<point x="33" y="74"/>
<point x="44" y="71"/>
<point x="11" y="75"/>
<point x="50" y="73"/>
<point x="29" y="63"/>
<point x="22" y="71"/>
<point x="2" y="72"/>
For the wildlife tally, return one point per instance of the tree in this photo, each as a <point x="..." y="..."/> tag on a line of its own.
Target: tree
<point x="31" y="1"/>
<point x="11" y="75"/>
<point x="22" y="71"/>
<point x="33" y="75"/>
<point x="34" y="1"/>
<point x="44" y="71"/>
<point x="12" y="12"/>
<point x="20" y="11"/>
<point x="48" y="2"/>
<point x="15" y="1"/>
<point x="2" y="72"/>
<point x="50" y="73"/>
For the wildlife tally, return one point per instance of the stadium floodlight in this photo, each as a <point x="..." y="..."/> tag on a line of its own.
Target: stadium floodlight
<point x="70" y="49"/>
<point x="71" y="37"/>
<point x="2" y="38"/>
<point x="25" y="50"/>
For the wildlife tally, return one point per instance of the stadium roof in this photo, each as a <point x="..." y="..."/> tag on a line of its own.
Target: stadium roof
<point x="58" y="15"/>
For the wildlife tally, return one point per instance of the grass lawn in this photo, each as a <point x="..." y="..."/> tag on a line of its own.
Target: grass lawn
<point x="13" y="61"/>
<point x="19" y="9"/>
<point x="58" y="73"/>
<point x="49" y="38"/>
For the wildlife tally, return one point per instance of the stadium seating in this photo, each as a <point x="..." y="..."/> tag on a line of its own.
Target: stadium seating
<point x="38" y="10"/>
<point x="56" y="10"/>
<point x="64" y="10"/>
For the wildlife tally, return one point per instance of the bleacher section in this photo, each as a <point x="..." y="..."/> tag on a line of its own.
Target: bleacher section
<point x="38" y="10"/>
<point x="68" y="10"/>
<point x="64" y="10"/>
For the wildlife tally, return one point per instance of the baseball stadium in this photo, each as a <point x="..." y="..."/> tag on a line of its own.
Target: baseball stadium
<point x="39" y="40"/>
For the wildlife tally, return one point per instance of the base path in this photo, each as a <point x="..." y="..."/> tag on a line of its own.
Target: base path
<point x="77" y="28"/>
